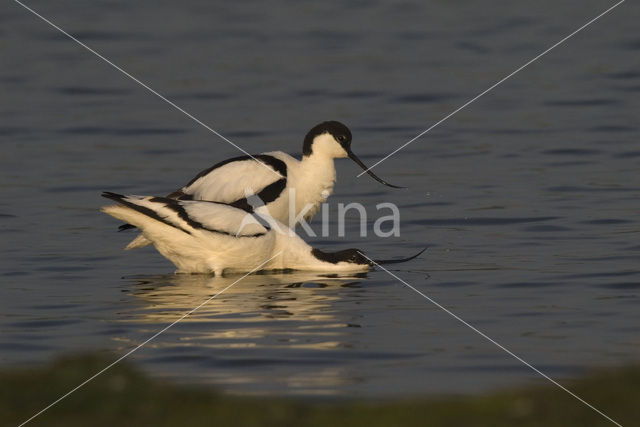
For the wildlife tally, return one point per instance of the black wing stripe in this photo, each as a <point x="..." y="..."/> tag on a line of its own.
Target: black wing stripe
<point x="268" y="194"/>
<point x="124" y="227"/>
<point x="142" y="209"/>
<point x="272" y="191"/>
<point x="175" y="206"/>
<point x="277" y="165"/>
<point x="216" y="166"/>
<point x="180" y="195"/>
<point x="242" y="204"/>
<point x="332" y="257"/>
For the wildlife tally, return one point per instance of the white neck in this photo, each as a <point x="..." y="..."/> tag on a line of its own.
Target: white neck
<point x="325" y="145"/>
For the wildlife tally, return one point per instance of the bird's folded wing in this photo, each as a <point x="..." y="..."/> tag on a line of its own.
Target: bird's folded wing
<point x="193" y="216"/>
<point x="224" y="219"/>
<point x="235" y="179"/>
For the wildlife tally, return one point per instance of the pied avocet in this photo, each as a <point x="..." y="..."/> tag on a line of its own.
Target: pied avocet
<point x="274" y="177"/>
<point x="212" y="237"/>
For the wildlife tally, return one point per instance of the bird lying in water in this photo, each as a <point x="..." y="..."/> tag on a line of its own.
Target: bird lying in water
<point x="212" y="237"/>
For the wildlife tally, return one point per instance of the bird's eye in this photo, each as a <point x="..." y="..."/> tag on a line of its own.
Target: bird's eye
<point x="342" y="138"/>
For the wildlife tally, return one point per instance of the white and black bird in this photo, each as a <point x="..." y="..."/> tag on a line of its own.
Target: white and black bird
<point x="211" y="237"/>
<point x="268" y="182"/>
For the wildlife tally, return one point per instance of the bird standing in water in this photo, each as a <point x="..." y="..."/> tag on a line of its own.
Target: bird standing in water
<point x="270" y="183"/>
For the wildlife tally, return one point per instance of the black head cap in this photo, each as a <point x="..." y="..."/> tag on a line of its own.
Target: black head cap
<point x="353" y="256"/>
<point x="340" y="132"/>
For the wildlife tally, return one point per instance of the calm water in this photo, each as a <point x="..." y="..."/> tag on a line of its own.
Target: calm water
<point x="528" y="199"/>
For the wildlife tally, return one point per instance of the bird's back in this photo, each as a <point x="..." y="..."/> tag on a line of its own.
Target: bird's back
<point x="234" y="181"/>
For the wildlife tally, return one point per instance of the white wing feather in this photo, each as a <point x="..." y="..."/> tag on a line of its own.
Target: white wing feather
<point x="201" y="215"/>
<point x="223" y="218"/>
<point x="233" y="181"/>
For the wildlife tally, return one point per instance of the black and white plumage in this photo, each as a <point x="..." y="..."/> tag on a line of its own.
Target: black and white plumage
<point x="276" y="178"/>
<point x="211" y="237"/>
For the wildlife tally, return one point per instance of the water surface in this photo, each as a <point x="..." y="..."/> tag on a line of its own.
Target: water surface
<point x="527" y="199"/>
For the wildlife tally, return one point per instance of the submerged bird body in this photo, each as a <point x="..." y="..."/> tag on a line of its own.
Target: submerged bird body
<point x="210" y="237"/>
<point x="275" y="184"/>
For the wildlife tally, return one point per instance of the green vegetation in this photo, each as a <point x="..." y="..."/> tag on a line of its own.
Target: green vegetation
<point x="126" y="396"/>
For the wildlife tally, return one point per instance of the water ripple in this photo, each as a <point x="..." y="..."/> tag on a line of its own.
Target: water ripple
<point x="481" y="221"/>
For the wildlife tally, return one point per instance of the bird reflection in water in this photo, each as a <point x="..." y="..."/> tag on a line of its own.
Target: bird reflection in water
<point x="267" y="330"/>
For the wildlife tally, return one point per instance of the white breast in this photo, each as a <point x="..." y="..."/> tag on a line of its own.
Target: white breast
<point x="315" y="180"/>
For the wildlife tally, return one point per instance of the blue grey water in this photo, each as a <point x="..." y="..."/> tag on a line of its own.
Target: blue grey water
<point x="528" y="199"/>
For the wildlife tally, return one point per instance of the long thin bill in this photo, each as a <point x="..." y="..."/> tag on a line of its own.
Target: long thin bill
<point x="395" y="261"/>
<point x="355" y="158"/>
